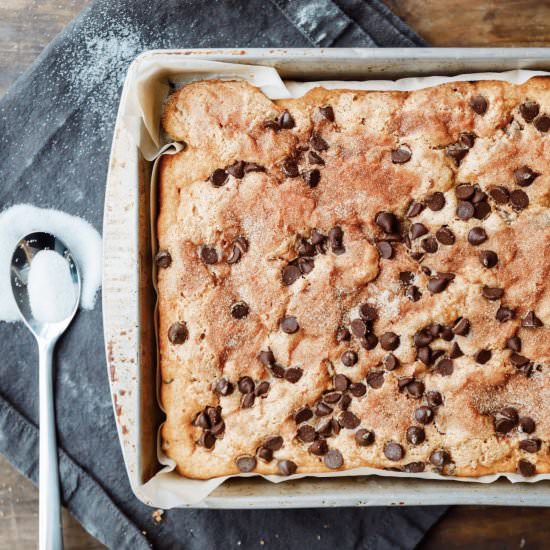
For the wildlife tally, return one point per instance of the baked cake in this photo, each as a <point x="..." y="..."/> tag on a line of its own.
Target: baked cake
<point x="356" y="279"/>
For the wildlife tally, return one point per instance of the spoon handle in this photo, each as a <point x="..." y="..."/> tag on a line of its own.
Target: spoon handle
<point x="50" y="535"/>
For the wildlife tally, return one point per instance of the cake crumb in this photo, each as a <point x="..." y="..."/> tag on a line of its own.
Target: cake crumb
<point x="157" y="515"/>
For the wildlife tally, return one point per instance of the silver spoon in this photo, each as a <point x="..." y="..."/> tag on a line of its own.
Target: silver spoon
<point x="50" y="535"/>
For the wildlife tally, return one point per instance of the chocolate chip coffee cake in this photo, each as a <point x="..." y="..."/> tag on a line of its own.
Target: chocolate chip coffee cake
<point x="356" y="279"/>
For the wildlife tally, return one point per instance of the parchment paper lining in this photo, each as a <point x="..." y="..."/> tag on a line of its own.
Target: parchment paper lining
<point x="142" y="114"/>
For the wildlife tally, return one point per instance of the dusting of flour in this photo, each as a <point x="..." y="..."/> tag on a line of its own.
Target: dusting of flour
<point x="81" y="238"/>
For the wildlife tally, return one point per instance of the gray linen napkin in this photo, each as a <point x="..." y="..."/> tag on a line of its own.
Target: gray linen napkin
<point x="56" y="125"/>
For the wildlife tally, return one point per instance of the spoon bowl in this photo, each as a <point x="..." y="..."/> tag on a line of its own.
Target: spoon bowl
<point x="25" y="251"/>
<point x="50" y="535"/>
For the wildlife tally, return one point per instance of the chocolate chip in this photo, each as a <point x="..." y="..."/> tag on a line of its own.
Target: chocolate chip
<point x="413" y="294"/>
<point x="246" y="384"/>
<point x="375" y="379"/>
<point x="349" y="358"/>
<point x="286" y="121"/>
<point x="393" y="451"/>
<point x="530" y="445"/>
<point x="445" y="236"/>
<point x="423" y="415"/>
<point x="531" y="321"/>
<point x="424" y="354"/>
<point x="415" y="389"/>
<point x="429" y="245"/>
<point x="291" y="274"/>
<point x="334" y="459"/>
<point x="345" y="402"/>
<point x="235" y="255"/>
<point x="322" y="409"/>
<point x="223" y="387"/>
<point x="482" y="356"/>
<point x="305" y="248"/>
<point x="439" y="283"/>
<point x="440" y="458"/>
<point x="455" y="352"/>
<point x="274" y="442"/>
<point x="306" y="433"/>
<point x="247" y="400"/>
<point x="434" y="398"/>
<point x="293" y="374"/>
<point x="218" y="177"/>
<point x="389" y="341"/>
<point x="207" y="440"/>
<point x="332" y="397"/>
<point x="447" y="334"/>
<point x="415" y="435"/>
<point x="315" y="158"/>
<point x="218" y="429"/>
<point x="343" y="335"/>
<point x="335" y="237"/>
<point x="414" y="467"/>
<point x="477" y="236"/>
<point x="436" y="354"/>
<point x="518" y="360"/>
<point x="385" y="249"/>
<point x="277" y="371"/>
<point x="239" y="310"/>
<point x="435" y="201"/>
<point x="401" y="155"/>
<point x="178" y="333"/>
<point x="358" y="328"/>
<point x="289" y="324"/>
<point x="479" y="104"/>
<point x="482" y="210"/>
<point x="457" y="151"/>
<point x="163" y="259"/>
<point x="467" y="139"/>
<point x="414" y="209"/>
<point x="318" y="143"/>
<point x="514" y="343"/>
<point x="340" y="382"/>
<point x="506" y="420"/>
<point x="209" y="255"/>
<point x="267" y="358"/>
<point x="201" y="420"/>
<point x="492" y="293"/>
<point x="262" y="388"/>
<point x="253" y="167"/>
<point x="286" y="467"/>
<point x="445" y="367"/>
<point x="465" y="210"/>
<point x="348" y="420"/>
<point x="422" y="338"/>
<point x="265" y="454"/>
<point x="364" y="437"/>
<point x="529" y="110"/>
<point x="519" y="199"/>
<point x="370" y="341"/>
<point x="327" y="112"/>
<point x="488" y="258"/>
<point x="500" y="195"/>
<point x="312" y="177"/>
<point x="290" y="168"/>
<point x="542" y="123"/>
<point x="387" y="221"/>
<point x="464" y="191"/>
<point x="526" y="468"/>
<point x="303" y="414"/>
<point x="391" y="362"/>
<point x="527" y="424"/>
<point x="319" y="447"/>
<point x="357" y="389"/>
<point x="245" y="463"/>
<point x="305" y="265"/>
<point x="417" y="230"/>
<point x="524" y="176"/>
<point x="236" y="169"/>
<point x="406" y="277"/>
<point x="504" y="314"/>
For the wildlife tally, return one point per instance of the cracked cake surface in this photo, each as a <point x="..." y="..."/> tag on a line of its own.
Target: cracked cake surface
<point x="354" y="278"/>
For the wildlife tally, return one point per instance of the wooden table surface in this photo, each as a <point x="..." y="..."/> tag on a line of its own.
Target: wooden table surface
<point x="26" y="26"/>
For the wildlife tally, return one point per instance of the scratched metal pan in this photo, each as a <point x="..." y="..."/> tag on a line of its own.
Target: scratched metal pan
<point x="128" y="294"/>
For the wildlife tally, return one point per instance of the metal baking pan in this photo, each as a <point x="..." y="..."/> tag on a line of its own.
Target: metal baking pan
<point x="128" y="294"/>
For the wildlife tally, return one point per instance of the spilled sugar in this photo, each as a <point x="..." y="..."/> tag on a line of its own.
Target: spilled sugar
<point x="51" y="291"/>
<point x="81" y="238"/>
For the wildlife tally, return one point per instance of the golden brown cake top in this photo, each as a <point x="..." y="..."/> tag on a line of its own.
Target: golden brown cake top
<point x="356" y="279"/>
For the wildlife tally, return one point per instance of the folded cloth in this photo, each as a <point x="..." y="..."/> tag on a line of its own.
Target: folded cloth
<point x="56" y="124"/>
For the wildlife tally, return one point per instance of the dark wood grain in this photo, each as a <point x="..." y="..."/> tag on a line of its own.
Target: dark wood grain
<point x="27" y="26"/>
<point x="477" y="23"/>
